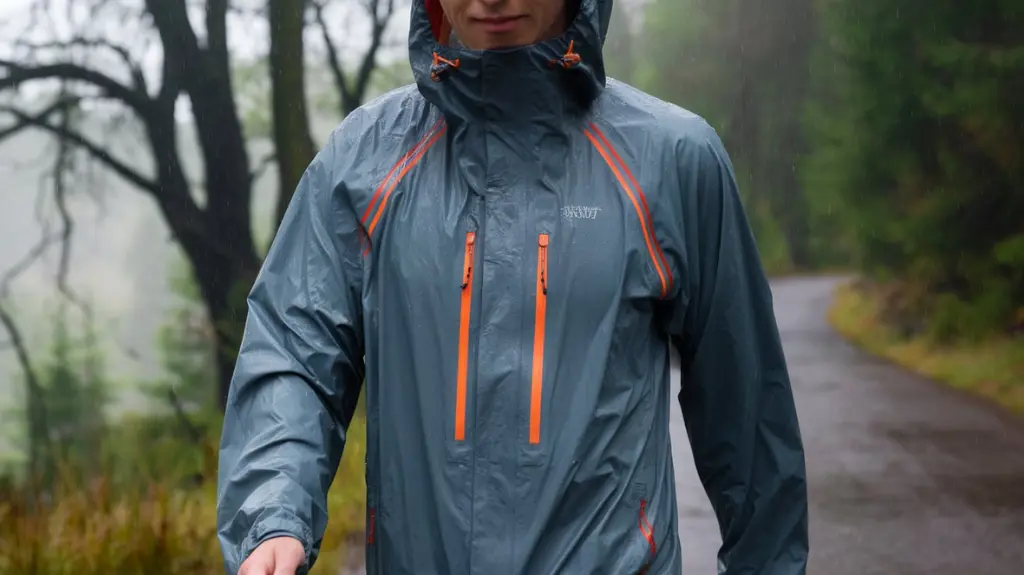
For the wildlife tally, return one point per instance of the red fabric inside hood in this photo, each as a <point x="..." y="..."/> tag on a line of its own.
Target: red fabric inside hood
<point x="435" y="13"/>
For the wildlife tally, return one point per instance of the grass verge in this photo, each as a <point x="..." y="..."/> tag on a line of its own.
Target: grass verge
<point x="993" y="368"/>
<point x="154" y="522"/>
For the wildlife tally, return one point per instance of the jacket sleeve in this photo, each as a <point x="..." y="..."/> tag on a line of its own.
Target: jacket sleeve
<point x="298" y="374"/>
<point x="736" y="397"/>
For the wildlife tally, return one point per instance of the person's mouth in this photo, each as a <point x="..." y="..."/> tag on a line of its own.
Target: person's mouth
<point x="499" y="24"/>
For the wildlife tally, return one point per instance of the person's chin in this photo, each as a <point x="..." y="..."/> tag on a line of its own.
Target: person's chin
<point x="504" y="41"/>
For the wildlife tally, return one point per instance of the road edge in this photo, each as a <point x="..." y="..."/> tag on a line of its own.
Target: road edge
<point x="856" y="324"/>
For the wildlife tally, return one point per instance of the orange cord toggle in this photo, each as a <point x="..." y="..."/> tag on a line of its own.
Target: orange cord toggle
<point x="440" y="66"/>
<point x="569" y="59"/>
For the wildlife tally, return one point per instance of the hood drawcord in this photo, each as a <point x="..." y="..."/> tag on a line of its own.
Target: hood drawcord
<point x="569" y="59"/>
<point x="440" y="66"/>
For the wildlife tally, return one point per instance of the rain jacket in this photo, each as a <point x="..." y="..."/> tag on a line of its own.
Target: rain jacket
<point x="504" y="253"/>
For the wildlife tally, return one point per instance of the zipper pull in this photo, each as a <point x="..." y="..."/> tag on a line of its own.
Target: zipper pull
<point x="467" y="266"/>
<point x="543" y="243"/>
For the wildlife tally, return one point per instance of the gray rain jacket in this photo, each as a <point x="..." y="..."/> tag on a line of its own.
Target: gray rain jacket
<point x="504" y="253"/>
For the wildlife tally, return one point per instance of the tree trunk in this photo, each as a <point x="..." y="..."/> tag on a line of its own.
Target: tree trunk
<point x="292" y="141"/>
<point x="216" y="237"/>
<point x="224" y="283"/>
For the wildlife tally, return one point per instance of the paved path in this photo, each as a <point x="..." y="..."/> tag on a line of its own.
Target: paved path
<point x="906" y="477"/>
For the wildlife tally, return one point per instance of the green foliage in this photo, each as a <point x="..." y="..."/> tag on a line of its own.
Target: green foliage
<point x="992" y="367"/>
<point x="743" y="67"/>
<point x="161" y="449"/>
<point x="684" y="45"/>
<point x="251" y="82"/>
<point x="139" y="495"/>
<point x="65" y="418"/>
<point x="918" y="135"/>
<point x="185" y="346"/>
<point x="76" y="393"/>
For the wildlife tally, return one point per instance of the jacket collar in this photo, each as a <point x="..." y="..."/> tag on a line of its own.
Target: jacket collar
<point x="542" y="82"/>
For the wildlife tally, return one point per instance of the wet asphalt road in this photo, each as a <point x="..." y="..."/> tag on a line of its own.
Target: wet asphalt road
<point x="906" y="477"/>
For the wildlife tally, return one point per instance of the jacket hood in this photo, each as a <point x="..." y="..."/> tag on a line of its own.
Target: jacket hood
<point x="553" y="77"/>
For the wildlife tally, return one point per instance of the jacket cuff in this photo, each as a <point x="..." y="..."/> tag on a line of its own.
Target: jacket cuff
<point x="278" y="524"/>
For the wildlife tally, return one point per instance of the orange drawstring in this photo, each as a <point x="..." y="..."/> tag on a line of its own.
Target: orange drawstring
<point x="440" y="66"/>
<point x="569" y="59"/>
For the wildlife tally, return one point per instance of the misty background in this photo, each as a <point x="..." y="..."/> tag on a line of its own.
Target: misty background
<point x="148" y="147"/>
<point x="117" y="265"/>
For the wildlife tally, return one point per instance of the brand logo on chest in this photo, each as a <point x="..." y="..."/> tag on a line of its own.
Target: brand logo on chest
<point x="580" y="212"/>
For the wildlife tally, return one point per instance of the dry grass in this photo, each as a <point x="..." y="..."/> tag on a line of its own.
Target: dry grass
<point x="993" y="368"/>
<point x="92" y="529"/>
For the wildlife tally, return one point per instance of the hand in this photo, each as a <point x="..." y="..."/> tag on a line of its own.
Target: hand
<point x="275" y="556"/>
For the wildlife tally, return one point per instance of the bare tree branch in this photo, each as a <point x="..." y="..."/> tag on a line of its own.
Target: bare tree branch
<point x="352" y="94"/>
<point x="268" y="160"/>
<point x="40" y="121"/>
<point x="36" y="404"/>
<point x="15" y="336"/>
<point x="381" y="12"/>
<point x="217" y="237"/>
<point x="19" y="126"/>
<point x="25" y="263"/>
<point x="138" y="79"/>
<point x="62" y="237"/>
<point x="193" y="431"/>
<point x="333" y="61"/>
<point x="18" y="74"/>
<point x="17" y="343"/>
<point x="61" y="168"/>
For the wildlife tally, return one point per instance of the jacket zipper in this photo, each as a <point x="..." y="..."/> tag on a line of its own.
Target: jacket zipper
<point x="648" y="532"/>
<point x="466" y="308"/>
<point x="537" y="380"/>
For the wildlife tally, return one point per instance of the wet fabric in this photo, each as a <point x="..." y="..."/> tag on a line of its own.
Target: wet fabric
<point x="505" y="252"/>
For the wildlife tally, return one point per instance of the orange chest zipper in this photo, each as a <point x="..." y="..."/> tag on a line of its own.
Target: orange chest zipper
<point x="540" y="316"/>
<point x="464" y="315"/>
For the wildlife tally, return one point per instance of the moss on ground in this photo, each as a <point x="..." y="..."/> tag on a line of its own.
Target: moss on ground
<point x="992" y="367"/>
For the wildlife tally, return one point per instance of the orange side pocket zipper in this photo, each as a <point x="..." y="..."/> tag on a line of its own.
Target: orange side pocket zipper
<point x="648" y="532"/>
<point x="464" y="314"/>
<point x="537" y="379"/>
